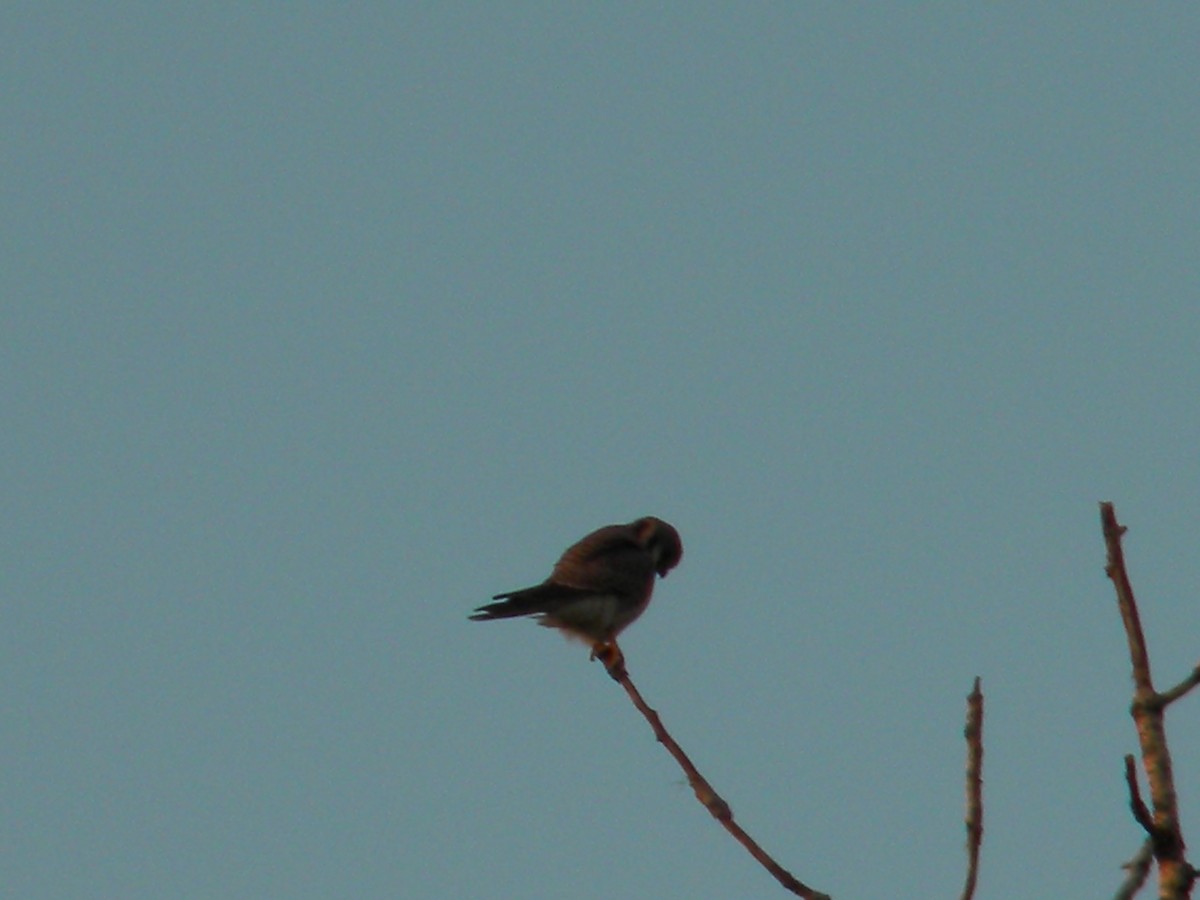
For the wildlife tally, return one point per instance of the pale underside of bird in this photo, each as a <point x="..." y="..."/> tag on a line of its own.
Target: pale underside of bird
<point x="599" y="586"/>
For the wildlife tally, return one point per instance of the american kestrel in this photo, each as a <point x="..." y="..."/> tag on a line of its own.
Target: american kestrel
<point x="598" y="586"/>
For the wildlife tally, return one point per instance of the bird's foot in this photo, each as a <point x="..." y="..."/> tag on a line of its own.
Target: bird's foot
<point x="612" y="657"/>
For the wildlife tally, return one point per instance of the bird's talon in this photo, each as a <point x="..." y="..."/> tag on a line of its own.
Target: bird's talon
<point x="604" y="652"/>
<point x="612" y="658"/>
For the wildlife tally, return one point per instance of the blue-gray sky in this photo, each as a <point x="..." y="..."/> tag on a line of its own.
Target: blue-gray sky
<point x="322" y="325"/>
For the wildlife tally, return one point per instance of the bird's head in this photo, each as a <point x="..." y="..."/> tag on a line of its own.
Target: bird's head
<point x="661" y="541"/>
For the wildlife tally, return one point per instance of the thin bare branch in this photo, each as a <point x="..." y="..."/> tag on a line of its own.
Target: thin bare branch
<point x="974" y="821"/>
<point x="614" y="661"/>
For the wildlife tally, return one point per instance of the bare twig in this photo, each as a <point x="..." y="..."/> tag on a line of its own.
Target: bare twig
<point x="1175" y="874"/>
<point x="974" y="735"/>
<point x="1136" y="804"/>
<point x="1139" y="868"/>
<point x="710" y="799"/>
<point x="1170" y="696"/>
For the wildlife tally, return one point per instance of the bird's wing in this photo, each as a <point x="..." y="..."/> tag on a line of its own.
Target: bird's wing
<point x="609" y="560"/>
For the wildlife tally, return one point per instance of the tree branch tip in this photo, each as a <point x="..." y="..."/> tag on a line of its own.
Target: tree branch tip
<point x="1108" y="518"/>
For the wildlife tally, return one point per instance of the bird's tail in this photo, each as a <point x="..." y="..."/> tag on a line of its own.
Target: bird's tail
<point x="508" y="606"/>
<point x="545" y="598"/>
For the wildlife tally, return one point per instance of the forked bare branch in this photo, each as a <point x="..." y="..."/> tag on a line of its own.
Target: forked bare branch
<point x="1161" y="819"/>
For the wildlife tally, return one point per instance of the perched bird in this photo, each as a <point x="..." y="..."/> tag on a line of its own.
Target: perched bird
<point x="599" y="586"/>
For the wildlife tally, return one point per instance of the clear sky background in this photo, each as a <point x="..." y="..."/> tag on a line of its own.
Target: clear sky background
<point x="320" y="325"/>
